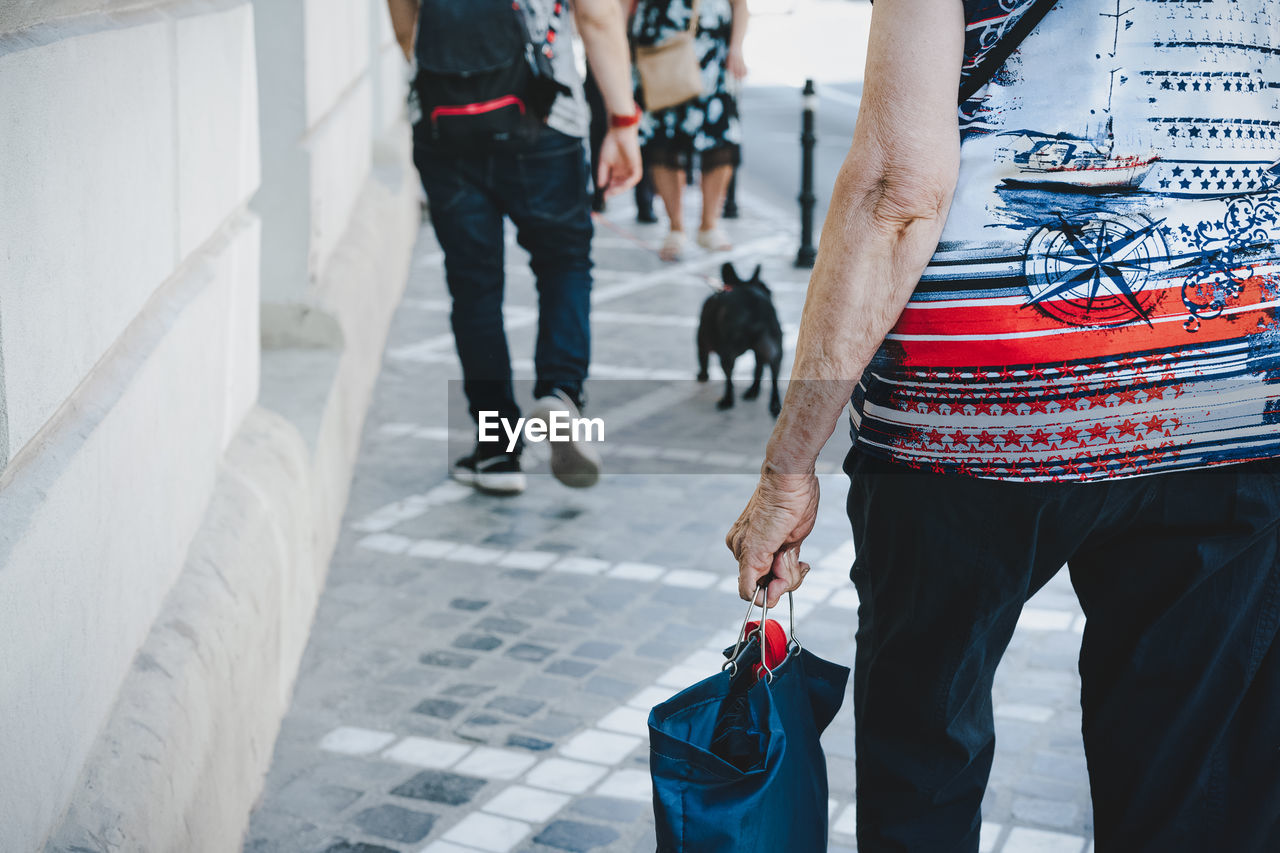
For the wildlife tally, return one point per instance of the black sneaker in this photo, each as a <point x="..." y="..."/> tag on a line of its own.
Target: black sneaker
<point x="493" y="475"/>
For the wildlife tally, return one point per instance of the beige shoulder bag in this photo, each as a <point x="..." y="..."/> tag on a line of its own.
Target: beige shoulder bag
<point x="669" y="71"/>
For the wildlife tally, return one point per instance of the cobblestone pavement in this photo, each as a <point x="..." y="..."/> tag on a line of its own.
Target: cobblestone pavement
<point x="480" y="670"/>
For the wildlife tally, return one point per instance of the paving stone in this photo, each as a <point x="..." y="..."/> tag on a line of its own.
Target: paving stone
<point x="448" y="660"/>
<point x="345" y="846"/>
<point x="468" y="691"/>
<point x="307" y="797"/>
<point x="571" y="668"/>
<point x="600" y="746"/>
<point x="488" y="832"/>
<point x="443" y="709"/>
<point x="565" y="775"/>
<point x="489" y="763"/>
<point x="530" y="743"/>
<point x="1055" y="813"/>
<point x="395" y="823"/>
<point x="1061" y="766"/>
<point x="502" y="625"/>
<point x="628" y="784"/>
<point x="680" y="633"/>
<point x="521" y="575"/>
<point x="426" y="752"/>
<point x="469" y="603"/>
<point x="610" y="809"/>
<point x="627" y="720"/>
<point x="350" y="740"/>
<point x="557" y="635"/>
<point x="276" y="832"/>
<point x="988" y="836"/>
<point x="540" y="687"/>
<point x="576" y="837"/>
<point x="517" y="705"/>
<point x="506" y="540"/>
<point x="529" y="652"/>
<point x="524" y="803"/>
<point x="585" y="618"/>
<point x="444" y="620"/>
<point x="610" y="600"/>
<point x="1024" y="840"/>
<point x="439" y="786"/>
<point x="611" y="687"/>
<point x="846" y="821"/>
<point x="660" y="650"/>
<point x="477" y="642"/>
<point x="597" y="650"/>
<point x="1045" y="788"/>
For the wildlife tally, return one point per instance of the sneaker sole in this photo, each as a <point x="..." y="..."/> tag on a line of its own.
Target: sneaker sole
<point x="573" y="464"/>
<point x="503" y="484"/>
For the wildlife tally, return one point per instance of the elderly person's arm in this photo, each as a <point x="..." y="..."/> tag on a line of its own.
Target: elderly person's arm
<point x="887" y="211"/>
<point x="602" y="27"/>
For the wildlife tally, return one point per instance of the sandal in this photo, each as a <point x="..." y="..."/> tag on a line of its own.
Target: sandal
<point x="672" y="247"/>
<point x="714" y="240"/>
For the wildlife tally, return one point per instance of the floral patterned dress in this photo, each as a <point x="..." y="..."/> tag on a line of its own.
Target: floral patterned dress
<point x="707" y="126"/>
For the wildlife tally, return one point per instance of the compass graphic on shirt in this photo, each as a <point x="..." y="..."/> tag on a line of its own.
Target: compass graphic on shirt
<point x="1095" y="269"/>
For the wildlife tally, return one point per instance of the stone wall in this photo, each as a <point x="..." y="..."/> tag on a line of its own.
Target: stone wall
<point x="172" y="177"/>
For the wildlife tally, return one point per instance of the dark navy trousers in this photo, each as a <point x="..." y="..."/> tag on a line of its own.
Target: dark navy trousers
<point x="1179" y="578"/>
<point x="542" y="188"/>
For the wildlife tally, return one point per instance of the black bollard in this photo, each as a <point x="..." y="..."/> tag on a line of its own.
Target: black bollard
<point x="729" y="210"/>
<point x="808" y="140"/>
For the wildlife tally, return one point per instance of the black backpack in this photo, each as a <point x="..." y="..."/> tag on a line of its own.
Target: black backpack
<point x="482" y="82"/>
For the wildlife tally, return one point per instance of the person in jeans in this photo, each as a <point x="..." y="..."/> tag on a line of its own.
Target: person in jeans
<point x="543" y="188"/>
<point x="1053" y="314"/>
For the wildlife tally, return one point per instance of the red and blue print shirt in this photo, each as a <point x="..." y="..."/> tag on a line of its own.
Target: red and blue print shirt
<point x="1103" y="300"/>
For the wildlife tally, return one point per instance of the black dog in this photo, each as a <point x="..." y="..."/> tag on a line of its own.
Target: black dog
<point x="738" y="318"/>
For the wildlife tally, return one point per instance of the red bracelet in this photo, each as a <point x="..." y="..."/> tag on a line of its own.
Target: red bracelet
<point x="617" y="121"/>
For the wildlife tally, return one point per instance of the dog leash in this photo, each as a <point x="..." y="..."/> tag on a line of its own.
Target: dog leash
<point x="710" y="281"/>
<point x="622" y="232"/>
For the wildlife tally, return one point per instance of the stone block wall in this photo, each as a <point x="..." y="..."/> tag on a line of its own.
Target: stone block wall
<point x="170" y="176"/>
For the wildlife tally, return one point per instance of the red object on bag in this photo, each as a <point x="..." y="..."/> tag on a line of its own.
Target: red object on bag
<point x="775" y="644"/>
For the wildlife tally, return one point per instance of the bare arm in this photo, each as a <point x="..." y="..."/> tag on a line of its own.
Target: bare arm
<point x="404" y="20"/>
<point x="887" y="211"/>
<point x="602" y="26"/>
<point x="737" y="66"/>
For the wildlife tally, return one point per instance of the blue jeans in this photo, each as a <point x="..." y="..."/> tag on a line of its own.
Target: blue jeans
<point x="1179" y="578"/>
<point x="543" y="189"/>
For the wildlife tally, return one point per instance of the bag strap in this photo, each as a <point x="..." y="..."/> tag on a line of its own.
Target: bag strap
<point x="996" y="57"/>
<point x="543" y="45"/>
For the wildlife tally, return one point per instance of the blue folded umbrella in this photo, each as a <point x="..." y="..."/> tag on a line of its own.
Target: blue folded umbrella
<point x="736" y="761"/>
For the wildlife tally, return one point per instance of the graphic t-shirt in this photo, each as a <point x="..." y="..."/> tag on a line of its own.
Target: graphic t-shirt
<point x="569" y="112"/>
<point x="1103" y="300"/>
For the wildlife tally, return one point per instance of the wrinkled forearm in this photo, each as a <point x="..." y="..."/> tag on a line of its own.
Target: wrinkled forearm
<point x="875" y="245"/>
<point x="886" y="215"/>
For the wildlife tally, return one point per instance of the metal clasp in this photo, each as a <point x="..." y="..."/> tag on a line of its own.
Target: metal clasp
<point x="793" y="645"/>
